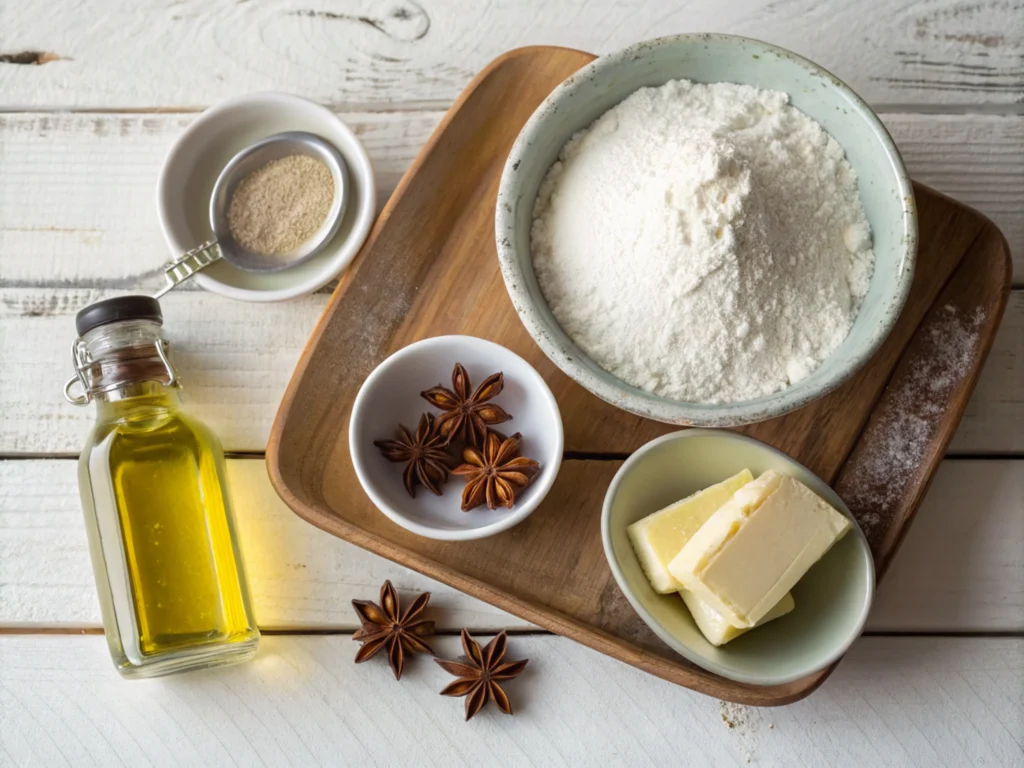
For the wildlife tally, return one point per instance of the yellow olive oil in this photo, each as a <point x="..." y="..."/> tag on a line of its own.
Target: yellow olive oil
<point x="170" y="518"/>
<point x="181" y="560"/>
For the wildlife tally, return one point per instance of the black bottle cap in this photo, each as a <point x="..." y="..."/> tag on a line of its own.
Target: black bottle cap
<point x="117" y="309"/>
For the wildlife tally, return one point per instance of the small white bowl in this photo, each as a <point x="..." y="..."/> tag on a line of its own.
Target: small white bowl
<point x="391" y="396"/>
<point x="208" y="144"/>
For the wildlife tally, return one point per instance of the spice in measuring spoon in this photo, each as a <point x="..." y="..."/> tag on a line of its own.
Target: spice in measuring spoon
<point x="281" y="205"/>
<point x="276" y="204"/>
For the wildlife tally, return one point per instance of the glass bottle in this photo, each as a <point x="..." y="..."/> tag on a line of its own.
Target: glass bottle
<point x="165" y="554"/>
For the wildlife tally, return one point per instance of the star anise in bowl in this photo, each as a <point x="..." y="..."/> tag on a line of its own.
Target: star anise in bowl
<point x="497" y="474"/>
<point x="467" y="412"/>
<point x="427" y="459"/>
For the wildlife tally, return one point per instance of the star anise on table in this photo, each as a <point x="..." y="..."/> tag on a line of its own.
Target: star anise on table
<point x="427" y="460"/>
<point x="479" y="675"/>
<point x="467" y="416"/>
<point x="495" y="474"/>
<point x="385" y="626"/>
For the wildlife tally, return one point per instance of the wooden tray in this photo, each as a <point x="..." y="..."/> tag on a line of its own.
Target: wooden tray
<point x="430" y="268"/>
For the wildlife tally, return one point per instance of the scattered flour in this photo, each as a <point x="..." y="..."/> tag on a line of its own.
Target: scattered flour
<point x="912" y="412"/>
<point x="733" y="715"/>
<point x="703" y="242"/>
<point x="743" y="722"/>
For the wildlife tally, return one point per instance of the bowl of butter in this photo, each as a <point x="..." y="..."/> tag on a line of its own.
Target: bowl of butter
<point x="737" y="557"/>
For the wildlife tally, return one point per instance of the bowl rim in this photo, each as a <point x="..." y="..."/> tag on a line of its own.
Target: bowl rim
<point x="517" y="514"/>
<point x="363" y="195"/>
<point x="633" y="399"/>
<point x="674" y="642"/>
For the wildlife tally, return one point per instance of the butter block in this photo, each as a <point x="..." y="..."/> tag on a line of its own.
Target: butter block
<point x="716" y="629"/>
<point x="757" y="546"/>
<point x="658" y="537"/>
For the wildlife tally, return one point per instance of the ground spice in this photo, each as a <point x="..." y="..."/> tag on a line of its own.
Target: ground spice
<point x="278" y="207"/>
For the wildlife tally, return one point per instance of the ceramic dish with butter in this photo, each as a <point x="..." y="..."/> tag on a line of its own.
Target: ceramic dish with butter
<point x="830" y="602"/>
<point x="885" y="194"/>
<point x="391" y="395"/>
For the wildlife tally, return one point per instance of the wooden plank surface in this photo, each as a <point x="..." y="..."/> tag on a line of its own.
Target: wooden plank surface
<point x="994" y="419"/>
<point x="77" y="204"/>
<point x="76" y="209"/>
<point x="236" y="358"/>
<point x="960" y="569"/>
<point x="976" y="159"/>
<point x="77" y="219"/>
<point x="895" y="701"/>
<point x="301" y="577"/>
<point x="373" y="53"/>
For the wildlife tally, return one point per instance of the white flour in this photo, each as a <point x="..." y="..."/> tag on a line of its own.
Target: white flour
<point x="913" y="409"/>
<point x="703" y="242"/>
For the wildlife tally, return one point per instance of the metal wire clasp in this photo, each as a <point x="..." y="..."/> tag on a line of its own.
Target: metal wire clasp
<point x="82" y="360"/>
<point x="181" y="269"/>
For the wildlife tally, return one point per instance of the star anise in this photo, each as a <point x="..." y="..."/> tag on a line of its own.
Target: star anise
<point x="479" y="675"/>
<point x="427" y="460"/>
<point x="385" y="627"/>
<point x="466" y="416"/>
<point x="496" y="474"/>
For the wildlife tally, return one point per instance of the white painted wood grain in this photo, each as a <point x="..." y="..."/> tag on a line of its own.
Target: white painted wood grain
<point x="893" y="701"/>
<point x="77" y="202"/>
<point x="962" y="563"/>
<point x="976" y="159"/>
<point x="78" y="192"/>
<point x="300" y="576"/>
<point x="77" y="219"/>
<point x="236" y="358"/>
<point x="994" y="419"/>
<point x="376" y="53"/>
<point x="77" y="212"/>
<point x="960" y="569"/>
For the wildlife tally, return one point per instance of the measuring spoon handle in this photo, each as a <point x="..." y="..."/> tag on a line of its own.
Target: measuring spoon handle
<point x="182" y="269"/>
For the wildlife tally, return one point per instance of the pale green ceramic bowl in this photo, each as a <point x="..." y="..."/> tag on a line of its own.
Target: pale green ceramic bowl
<point x="832" y="599"/>
<point x="885" y="190"/>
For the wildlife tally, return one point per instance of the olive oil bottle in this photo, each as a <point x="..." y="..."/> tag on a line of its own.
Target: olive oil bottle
<point x="161" y="532"/>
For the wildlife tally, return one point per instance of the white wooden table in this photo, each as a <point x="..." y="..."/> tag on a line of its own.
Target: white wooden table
<point x="937" y="680"/>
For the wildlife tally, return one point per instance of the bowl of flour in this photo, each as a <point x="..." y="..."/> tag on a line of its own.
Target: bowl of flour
<point x="706" y="230"/>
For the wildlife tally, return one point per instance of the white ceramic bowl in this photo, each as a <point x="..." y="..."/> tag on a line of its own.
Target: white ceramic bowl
<point x="208" y="144"/>
<point x="884" y="185"/>
<point x="391" y="396"/>
<point x="832" y="600"/>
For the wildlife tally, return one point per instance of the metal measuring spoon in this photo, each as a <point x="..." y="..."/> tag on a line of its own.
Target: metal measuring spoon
<point x="223" y="245"/>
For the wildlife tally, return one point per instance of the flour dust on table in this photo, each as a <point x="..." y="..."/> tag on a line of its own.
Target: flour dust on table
<point x="705" y="243"/>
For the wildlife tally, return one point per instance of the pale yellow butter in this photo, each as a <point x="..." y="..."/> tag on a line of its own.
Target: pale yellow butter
<point x="716" y="629"/>
<point x="757" y="546"/>
<point x="658" y="537"/>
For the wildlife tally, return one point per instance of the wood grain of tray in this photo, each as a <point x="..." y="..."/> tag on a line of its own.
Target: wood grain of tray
<point x="430" y="268"/>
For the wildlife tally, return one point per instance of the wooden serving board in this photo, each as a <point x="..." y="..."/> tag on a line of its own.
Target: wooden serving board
<point x="430" y="268"/>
